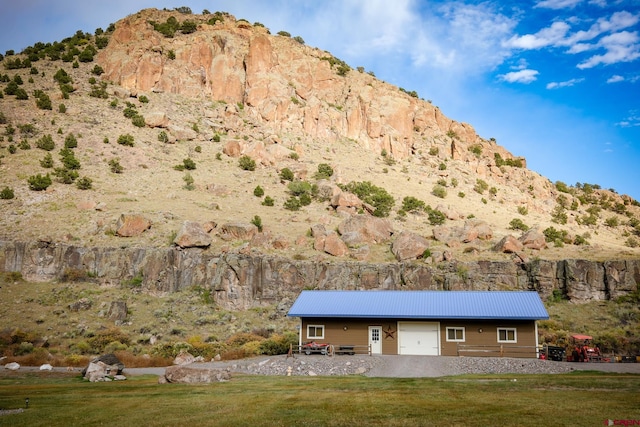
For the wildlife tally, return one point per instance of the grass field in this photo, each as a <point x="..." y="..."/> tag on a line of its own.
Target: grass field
<point x="580" y="398"/>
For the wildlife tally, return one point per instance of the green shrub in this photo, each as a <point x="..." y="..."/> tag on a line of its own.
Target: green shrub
<point x="39" y="182"/>
<point x="476" y="149"/>
<point x="612" y="221"/>
<point x="47" y="161"/>
<point x="12" y="149"/>
<point x="298" y="188"/>
<point x="284" y="34"/>
<point x="189" y="164"/>
<point x="558" y="215"/>
<point x="247" y="163"/>
<point x="268" y="201"/>
<point x="68" y="159"/>
<point x="44" y="102"/>
<point x="163" y="137"/>
<point x="286" y="174"/>
<point x="46" y="143"/>
<point x="143" y="99"/>
<point x="258" y="191"/>
<point x="21" y="94"/>
<point x="522" y="210"/>
<point x="84" y="183"/>
<point x="412" y="204"/>
<point x="70" y="141"/>
<point x="138" y="121"/>
<point x="62" y="108"/>
<point x="436" y="217"/>
<point x="115" y="166"/>
<point x="188" y="181"/>
<point x="517" y="224"/>
<point x="553" y="235"/>
<point x="439" y="191"/>
<point x="481" y="186"/>
<point x="257" y="221"/>
<point x="292" y="204"/>
<point x="376" y="196"/>
<point x="442" y="166"/>
<point x="65" y="176"/>
<point x="7" y="193"/>
<point x="216" y="138"/>
<point x="24" y="145"/>
<point x="97" y="70"/>
<point x="324" y="171"/>
<point x="125" y="140"/>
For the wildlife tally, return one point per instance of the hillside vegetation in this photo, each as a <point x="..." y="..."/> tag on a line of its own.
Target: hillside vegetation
<point x="87" y="135"/>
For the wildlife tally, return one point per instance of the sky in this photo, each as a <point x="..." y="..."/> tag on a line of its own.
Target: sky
<point x="554" y="81"/>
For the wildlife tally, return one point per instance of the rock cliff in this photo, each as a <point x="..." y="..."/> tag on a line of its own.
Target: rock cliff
<point x="288" y="88"/>
<point x="243" y="281"/>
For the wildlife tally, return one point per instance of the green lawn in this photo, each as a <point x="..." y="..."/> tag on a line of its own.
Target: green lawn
<point x="580" y="398"/>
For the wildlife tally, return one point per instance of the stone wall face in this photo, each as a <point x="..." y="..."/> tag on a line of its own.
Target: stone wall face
<point x="241" y="281"/>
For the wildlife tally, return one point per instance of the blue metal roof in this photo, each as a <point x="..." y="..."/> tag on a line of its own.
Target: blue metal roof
<point x="512" y="305"/>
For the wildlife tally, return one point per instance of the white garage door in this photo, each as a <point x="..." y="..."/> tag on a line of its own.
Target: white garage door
<point x="419" y="338"/>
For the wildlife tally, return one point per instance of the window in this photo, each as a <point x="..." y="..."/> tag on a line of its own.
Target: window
<point x="315" y="331"/>
<point x="455" y="334"/>
<point x="507" y="335"/>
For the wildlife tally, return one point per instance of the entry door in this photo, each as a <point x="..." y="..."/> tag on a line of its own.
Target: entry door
<point x="374" y="339"/>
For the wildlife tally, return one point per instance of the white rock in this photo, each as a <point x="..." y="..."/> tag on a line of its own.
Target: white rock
<point x="12" y="366"/>
<point x="46" y="367"/>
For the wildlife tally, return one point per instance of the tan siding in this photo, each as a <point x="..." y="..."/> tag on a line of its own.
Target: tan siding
<point x="357" y="333"/>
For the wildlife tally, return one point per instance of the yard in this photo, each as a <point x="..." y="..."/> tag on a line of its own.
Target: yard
<point x="580" y="398"/>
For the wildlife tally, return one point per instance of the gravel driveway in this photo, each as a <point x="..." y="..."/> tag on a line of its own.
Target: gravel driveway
<point x="396" y="366"/>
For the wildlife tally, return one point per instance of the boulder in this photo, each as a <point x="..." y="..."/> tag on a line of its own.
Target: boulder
<point x="346" y="200"/>
<point x="103" y="368"/>
<point x="333" y="245"/>
<point x="117" y="311"/>
<point x="409" y="245"/>
<point x="366" y="229"/>
<point x="508" y="244"/>
<point x="238" y="231"/>
<point x="192" y="235"/>
<point x="132" y="225"/>
<point x="533" y="239"/>
<point x="232" y="148"/>
<point x="184" y="358"/>
<point x="46" y="367"/>
<point x="156" y="119"/>
<point x="12" y="366"/>
<point x="190" y="375"/>
<point x="183" y="133"/>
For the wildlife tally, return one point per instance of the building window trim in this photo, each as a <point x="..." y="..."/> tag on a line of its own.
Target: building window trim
<point x="459" y="334"/>
<point x="312" y="332"/>
<point x="509" y="335"/>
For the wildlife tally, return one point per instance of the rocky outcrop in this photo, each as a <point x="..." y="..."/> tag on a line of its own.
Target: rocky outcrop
<point x="286" y="88"/>
<point x="241" y="281"/>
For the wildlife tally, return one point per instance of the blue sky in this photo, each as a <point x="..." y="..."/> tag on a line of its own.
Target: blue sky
<point x="555" y="81"/>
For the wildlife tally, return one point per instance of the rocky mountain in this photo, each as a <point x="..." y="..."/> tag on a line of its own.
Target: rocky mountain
<point x="211" y="152"/>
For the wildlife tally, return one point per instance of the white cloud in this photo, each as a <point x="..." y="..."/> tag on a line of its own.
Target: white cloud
<point x="619" y="47"/>
<point x="557" y="4"/>
<point x="546" y="37"/>
<point x="615" y="79"/>
<point x="522" y="76"/>
<point x="568" y="83"/>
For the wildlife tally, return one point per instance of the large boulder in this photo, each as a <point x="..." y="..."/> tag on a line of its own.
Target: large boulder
<point x="132" y="225"/>
<point x="533" y="239"/>
<point x="359" y="229"/>
<point x="333" y="245"/>
<point x="409" y="245"/>
<point x="346" y="200"/>
<point x="103" y="368"/>
<point x="191" y="375"/>
<point x="117" y="311"/>
<point x="192" y="235"/>
<point x="508" y="245"/>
